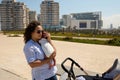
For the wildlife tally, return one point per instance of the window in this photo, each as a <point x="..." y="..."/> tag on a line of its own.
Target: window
<point x="83" y="25"/>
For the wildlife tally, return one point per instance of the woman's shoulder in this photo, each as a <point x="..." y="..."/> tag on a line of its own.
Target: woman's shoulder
<point x="29" y="44"/>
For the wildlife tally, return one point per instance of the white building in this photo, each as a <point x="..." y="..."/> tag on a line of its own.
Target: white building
<point x="49" y="13"/>
<point x="88" y="20"/>
<point x="66" y="20"/>
<point x="14" y="15"/>
<point x="84" y="24"/>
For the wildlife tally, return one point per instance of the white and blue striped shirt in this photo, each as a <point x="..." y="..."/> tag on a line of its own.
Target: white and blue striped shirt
<point x="33" y="51"/>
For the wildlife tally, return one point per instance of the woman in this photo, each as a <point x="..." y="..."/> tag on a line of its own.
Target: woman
<point x="35" y="55"/>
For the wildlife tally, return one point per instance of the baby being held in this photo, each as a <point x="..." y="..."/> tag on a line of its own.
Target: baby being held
<point x="48" y="50"/>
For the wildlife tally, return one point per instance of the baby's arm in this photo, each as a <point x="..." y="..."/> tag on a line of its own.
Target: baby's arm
<point x="52" y="64"/>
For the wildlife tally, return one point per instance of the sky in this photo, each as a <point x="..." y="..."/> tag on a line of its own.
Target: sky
<point x="110" y="8"/>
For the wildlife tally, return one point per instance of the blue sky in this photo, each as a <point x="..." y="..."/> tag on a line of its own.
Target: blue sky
<point x="110" y="8"/>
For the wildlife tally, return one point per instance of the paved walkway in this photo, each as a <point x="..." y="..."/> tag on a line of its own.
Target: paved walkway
<point x="93" y="58"/>
<point x="6" y="75"/>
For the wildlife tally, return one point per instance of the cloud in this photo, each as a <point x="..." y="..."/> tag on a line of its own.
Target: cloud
<point x="114" y="20"/>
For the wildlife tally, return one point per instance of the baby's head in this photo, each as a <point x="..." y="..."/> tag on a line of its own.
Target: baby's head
<point x="44" y="34"/>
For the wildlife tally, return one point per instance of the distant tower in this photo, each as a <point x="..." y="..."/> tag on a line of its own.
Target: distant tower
<point x="48" y="0"/>
<point x="49" y="13"/>
<point x="111" y="26"/>
<point x="6" y="1"/>
<point x="32" y="16"/>
<point x="9" y="0"/>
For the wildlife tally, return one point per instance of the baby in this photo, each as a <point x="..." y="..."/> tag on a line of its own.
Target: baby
<point x="48" y="49"/>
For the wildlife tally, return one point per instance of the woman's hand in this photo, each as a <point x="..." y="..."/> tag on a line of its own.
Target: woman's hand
<point x="47" y="36"/>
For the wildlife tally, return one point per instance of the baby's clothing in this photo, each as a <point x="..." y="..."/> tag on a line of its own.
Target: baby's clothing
<point x="46" y="46"/>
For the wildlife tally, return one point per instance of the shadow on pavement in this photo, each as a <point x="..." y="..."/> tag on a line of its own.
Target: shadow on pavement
<point x="7" y="75"/>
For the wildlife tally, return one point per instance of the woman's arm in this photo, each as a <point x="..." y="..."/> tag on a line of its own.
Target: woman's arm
<point x="38" y="63"/>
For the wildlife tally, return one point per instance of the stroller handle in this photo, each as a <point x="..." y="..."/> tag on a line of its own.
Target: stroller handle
<point x="73" y="62"/>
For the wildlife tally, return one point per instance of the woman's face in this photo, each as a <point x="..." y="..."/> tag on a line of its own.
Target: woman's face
<point x="37" y="34"/>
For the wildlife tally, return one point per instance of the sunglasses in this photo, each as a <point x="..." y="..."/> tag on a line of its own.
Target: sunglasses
<point x="39" y="31"/>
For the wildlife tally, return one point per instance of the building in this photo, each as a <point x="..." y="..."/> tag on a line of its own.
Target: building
<point x="14" y="15"/>
<point x="4" y="1"/>
<point x="39" y="17"/>
<point x="32" y="16"/>
<point x="88" y="20"/>
<point x="27" y="17"/>
<point x="49" y="14"/>
<point x="66" y="20"/>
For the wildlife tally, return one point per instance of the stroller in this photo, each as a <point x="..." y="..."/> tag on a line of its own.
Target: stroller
<point x="70" y="75"/>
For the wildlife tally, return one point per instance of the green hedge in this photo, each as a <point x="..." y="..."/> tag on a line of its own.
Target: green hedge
<point x="70" y="39"/>
<point x="114" y="41"/>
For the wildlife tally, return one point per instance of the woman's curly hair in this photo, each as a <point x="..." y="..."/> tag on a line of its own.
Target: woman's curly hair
<point x="30" y="28"/>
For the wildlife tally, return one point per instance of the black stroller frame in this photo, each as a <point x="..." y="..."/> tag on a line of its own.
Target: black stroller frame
<point x="72" y="76"/>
